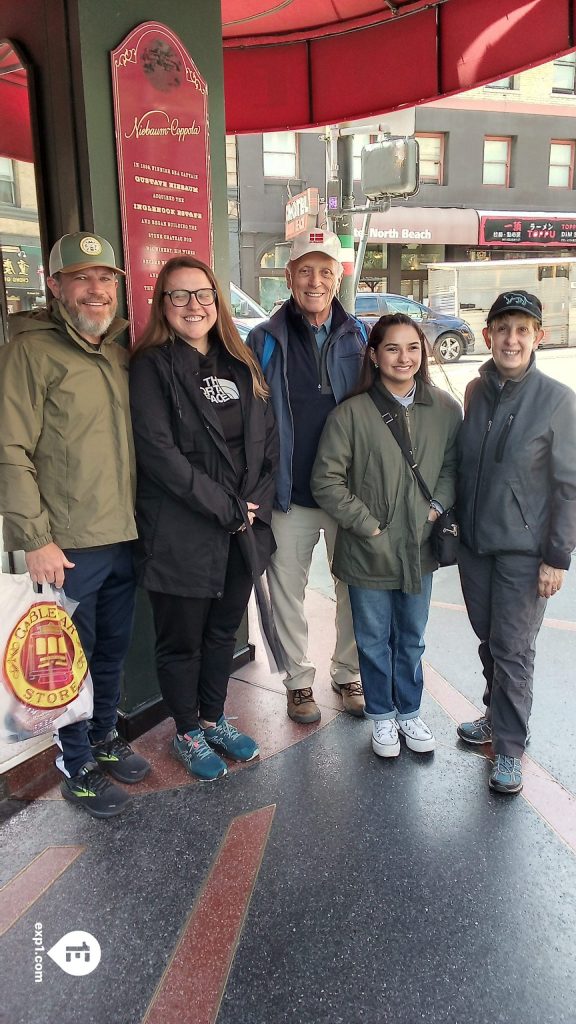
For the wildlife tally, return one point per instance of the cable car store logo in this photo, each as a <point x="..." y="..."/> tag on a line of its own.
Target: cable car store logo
<point x="44" y="664"/>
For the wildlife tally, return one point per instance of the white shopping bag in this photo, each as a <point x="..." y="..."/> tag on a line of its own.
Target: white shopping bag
<point x="45" y="683"/>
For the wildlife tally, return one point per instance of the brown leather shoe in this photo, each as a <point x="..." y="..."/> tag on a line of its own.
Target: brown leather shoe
<point x="352" y="697"/>
<point x="302" y="707"/>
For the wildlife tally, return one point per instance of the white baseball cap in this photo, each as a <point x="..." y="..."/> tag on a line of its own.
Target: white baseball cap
<point x="316" y="240"/>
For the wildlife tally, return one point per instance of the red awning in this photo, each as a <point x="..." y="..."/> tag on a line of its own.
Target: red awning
<point x="300" y="63"/>
<point x="318" y="62"/>
<point x="15" y="133"/>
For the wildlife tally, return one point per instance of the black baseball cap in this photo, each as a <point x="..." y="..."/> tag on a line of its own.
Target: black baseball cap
<point x="516" y="302"/>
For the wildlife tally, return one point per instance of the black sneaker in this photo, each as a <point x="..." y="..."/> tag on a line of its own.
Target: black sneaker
<point x="115" y="756"/>
<point x="91" y="790"/>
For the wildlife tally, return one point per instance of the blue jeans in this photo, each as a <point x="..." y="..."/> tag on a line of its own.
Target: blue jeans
<point x="389" y="628"/>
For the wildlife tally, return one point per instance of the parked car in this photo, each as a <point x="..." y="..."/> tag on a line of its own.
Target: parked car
<point x="449" y="337"/>
<point x="242" y="327"/>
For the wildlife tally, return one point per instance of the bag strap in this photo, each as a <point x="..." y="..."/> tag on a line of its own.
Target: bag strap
<point x="269" y="344"/>
<point x="391" y="422"/>
<point x="361" y="326"/>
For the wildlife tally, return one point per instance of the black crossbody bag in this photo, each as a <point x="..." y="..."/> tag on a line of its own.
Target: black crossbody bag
<point x="445" y="535"/>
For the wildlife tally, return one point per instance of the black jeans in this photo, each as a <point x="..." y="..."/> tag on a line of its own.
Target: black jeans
<point x="505" y="612"/>
<point x="195" y="640"/>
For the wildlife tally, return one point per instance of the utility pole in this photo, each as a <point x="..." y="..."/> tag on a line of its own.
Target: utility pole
<point x="345" y="223"/>
<point x="393" y="172"/>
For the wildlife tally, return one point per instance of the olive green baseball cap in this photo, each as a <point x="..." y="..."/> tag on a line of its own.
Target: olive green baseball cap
<point x="80" y="251"/>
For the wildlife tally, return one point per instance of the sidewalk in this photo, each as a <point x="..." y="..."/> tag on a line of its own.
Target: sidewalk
<point x="322" y="884"/>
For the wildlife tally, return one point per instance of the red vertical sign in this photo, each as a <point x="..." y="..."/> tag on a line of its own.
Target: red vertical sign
<point x="162" y="144"/>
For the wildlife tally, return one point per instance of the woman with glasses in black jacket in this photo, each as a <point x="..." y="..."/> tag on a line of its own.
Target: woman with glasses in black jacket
<point x="206" y="447"/>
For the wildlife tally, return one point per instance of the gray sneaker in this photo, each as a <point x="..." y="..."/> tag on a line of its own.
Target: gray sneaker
<point x="506" y="774"/>
<point x="477" y="732"/>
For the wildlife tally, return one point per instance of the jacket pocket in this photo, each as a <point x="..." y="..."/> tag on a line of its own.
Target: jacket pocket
<point x="503" y="439"/>
<point x="522" y="505"/>
<point x="372" y="491"/>
<point x="371" y="557"/>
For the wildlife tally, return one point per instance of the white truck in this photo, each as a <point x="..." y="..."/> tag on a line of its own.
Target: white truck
<point x="469" y="289"/>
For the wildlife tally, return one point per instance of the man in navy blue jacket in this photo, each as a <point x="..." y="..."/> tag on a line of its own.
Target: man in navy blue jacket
<point x="311" y="351"/>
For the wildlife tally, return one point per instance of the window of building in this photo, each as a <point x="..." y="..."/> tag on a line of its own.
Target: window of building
<point x="272" y="287"/>
<point x="553" y="271"/>
<point x="231" y="162"/>
<point x="358" y="143"/>
<point x="417" y="257"/>
<point x="431" y="159"/>
<point x="564" y="74"/>
<point x="561" y="172"/>
<point x="496" y="167"/>
<point x="502" y="83"/>
<point x="7" y="184"/>
<point x="279" y="153"/>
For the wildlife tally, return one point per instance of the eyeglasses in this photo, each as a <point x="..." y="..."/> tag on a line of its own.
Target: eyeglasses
<point x="182" y="296"/>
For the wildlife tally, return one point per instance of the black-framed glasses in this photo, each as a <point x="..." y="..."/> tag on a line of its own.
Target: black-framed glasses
<point x="182" y="296"/>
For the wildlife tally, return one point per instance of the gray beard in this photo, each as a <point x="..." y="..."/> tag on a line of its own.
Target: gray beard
<point x="85" y="325"/>
<point x="95" y="328"/>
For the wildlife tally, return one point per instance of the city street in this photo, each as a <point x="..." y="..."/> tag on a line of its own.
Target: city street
<point x="559" y="363"/>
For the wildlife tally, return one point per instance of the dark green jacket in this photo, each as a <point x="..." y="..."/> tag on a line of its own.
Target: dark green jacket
<point x="363" y="481"/>
<point x="67" y="468"/>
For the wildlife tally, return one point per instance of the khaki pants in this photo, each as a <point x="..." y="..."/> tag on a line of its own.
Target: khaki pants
<point x="296" y="533"/>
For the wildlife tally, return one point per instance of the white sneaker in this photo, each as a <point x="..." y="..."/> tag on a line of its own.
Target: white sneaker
<point x="417" y="734"/>
<point x="385" y="740"/>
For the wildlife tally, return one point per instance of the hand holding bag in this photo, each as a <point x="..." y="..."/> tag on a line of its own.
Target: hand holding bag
<point x="45" y="680"/>
<point x="445" y="535"/>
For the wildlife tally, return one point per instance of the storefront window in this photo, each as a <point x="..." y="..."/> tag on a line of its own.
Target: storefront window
<point x="416" y="257"/>
<point x="22" y="277"/>
<point x="277" y="257"/>
<point x="273" y="291"/>
<point x="374" y="269"/>
<point x="272" y="286"/>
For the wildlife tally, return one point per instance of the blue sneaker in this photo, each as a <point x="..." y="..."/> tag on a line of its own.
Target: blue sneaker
<point x="226" y="739"/>
<point x="197" y="757"/>
<point x="506" y="774"/>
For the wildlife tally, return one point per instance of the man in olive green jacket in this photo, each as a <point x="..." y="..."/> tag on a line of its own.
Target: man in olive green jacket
<point x="67" y="474"/>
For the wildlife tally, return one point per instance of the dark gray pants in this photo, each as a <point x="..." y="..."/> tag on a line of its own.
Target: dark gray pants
<point x="505" y="612"/>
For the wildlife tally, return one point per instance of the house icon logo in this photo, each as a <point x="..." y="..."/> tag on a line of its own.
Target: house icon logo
<point x="76" y="953"/>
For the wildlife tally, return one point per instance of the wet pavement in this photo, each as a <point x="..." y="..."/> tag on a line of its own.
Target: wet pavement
<point x="322" y="884"/>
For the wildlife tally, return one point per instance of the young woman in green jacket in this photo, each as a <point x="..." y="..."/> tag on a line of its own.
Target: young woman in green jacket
<point x="383" y="547"/>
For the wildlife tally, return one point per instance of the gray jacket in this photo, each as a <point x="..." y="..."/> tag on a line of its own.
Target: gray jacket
<point x="517" y="466"/>
<point x="343" y="360"/>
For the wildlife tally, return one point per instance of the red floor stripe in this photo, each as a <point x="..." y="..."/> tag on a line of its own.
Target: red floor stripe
<point x="193" y="983"/>
<point x="543" y="792"/>
<point x="18" y="895"/>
